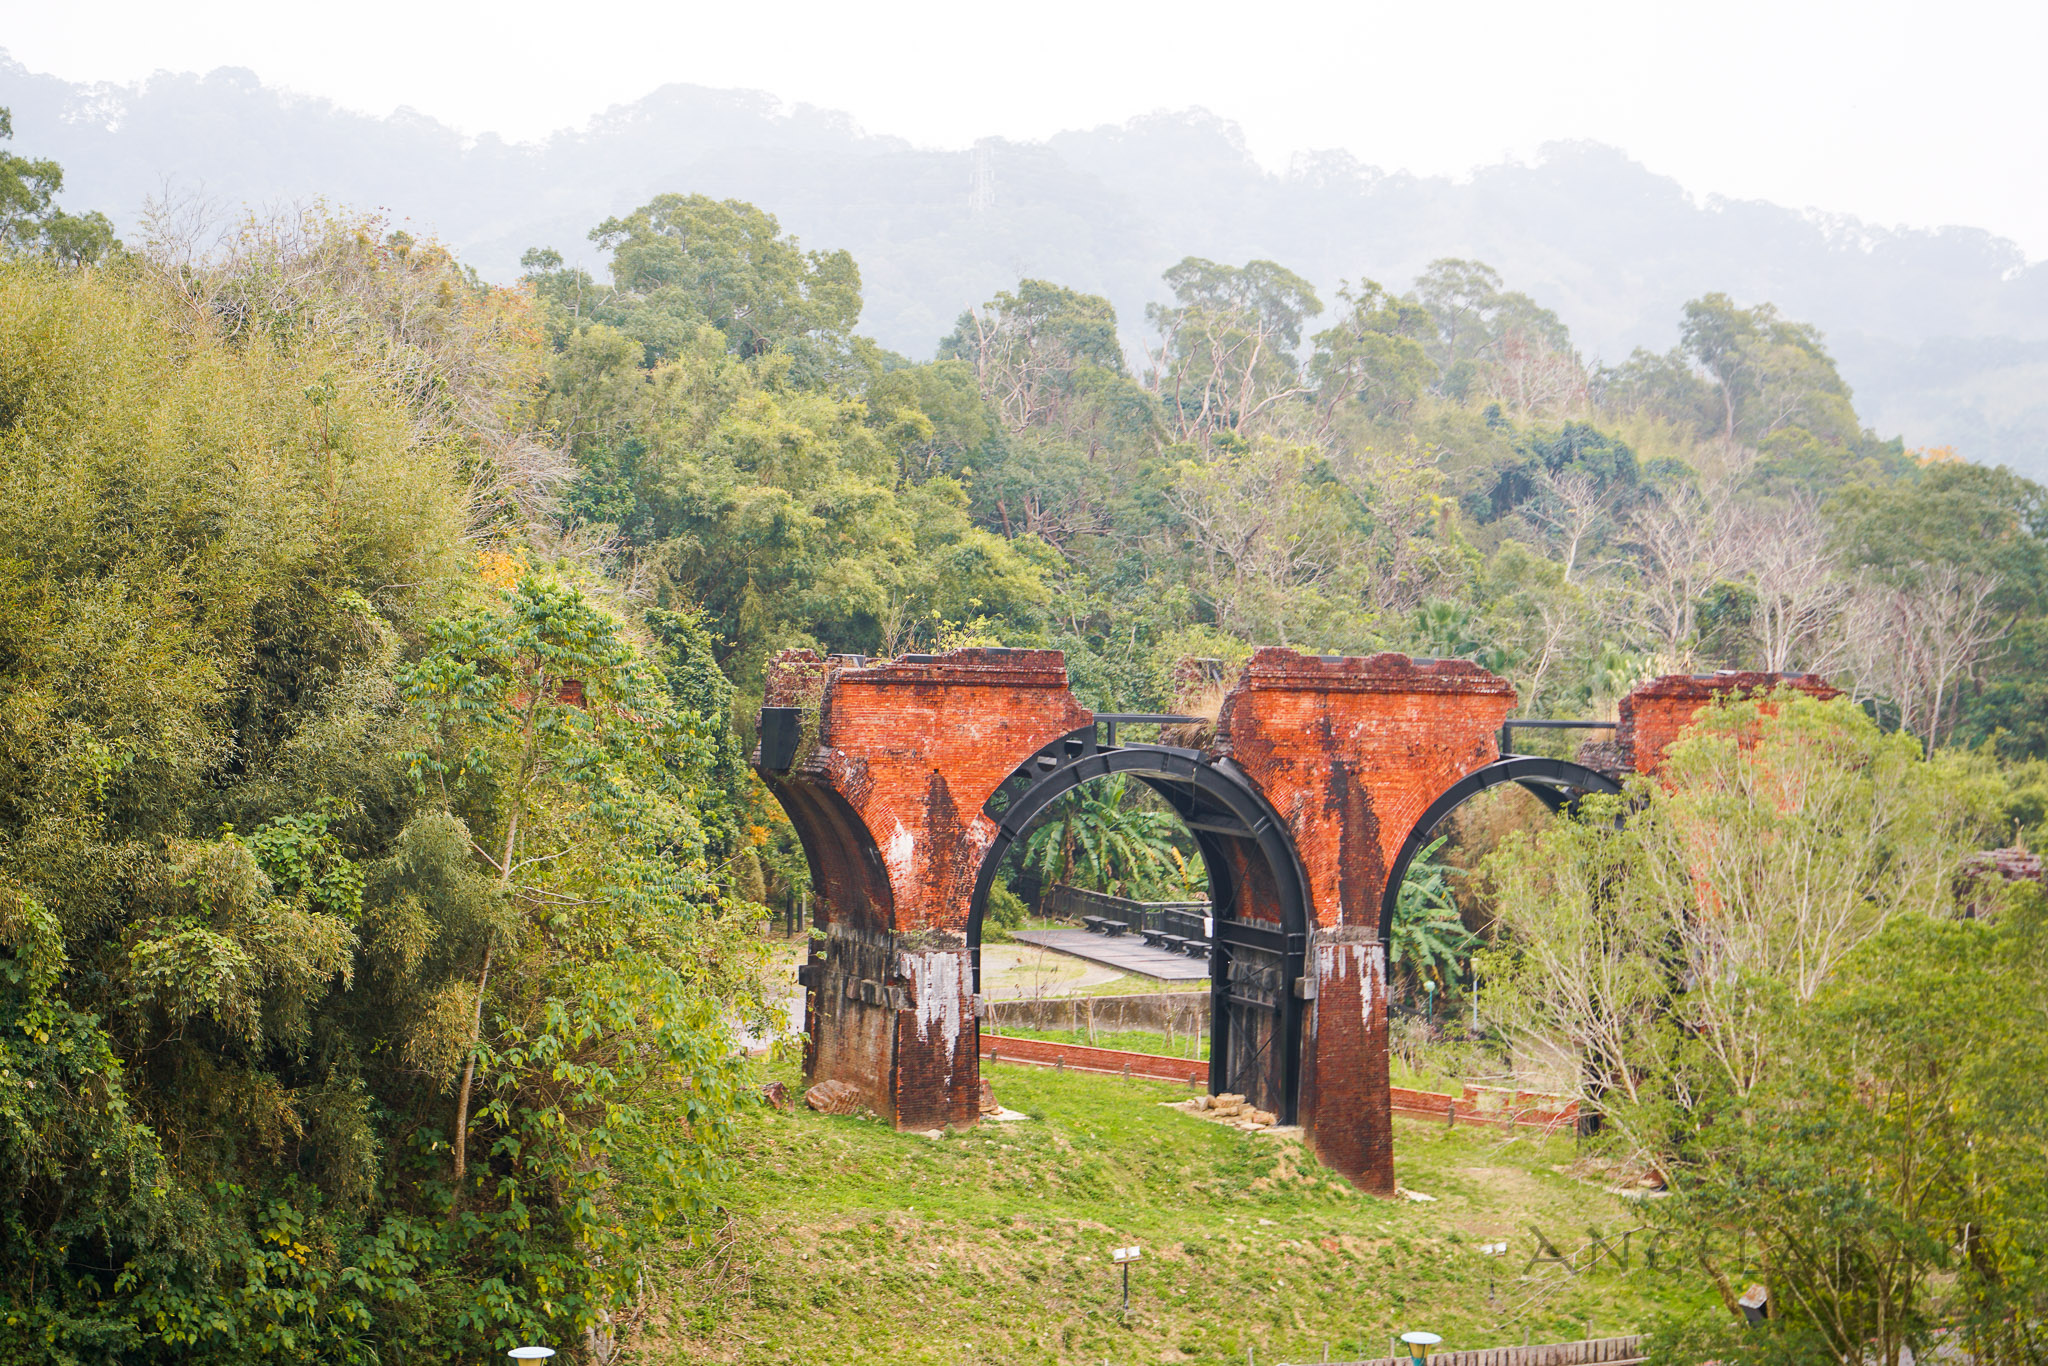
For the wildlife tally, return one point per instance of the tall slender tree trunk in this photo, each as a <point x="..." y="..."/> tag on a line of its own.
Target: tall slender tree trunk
<point x="476" y="1033"/>
<point x="483" y="981"/>
<point x="1720" y="1283"/>
<point x="1067" y="849"/>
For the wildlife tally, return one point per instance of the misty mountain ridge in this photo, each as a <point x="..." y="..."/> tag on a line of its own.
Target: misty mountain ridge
<point x="1942" y="332"/>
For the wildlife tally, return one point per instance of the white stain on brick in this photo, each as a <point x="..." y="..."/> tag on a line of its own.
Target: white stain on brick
<point x="1364" y="961"/>
<point x="937" y="983"/>
<point x="901" y="857"/>
<point x="1370" y="961"/>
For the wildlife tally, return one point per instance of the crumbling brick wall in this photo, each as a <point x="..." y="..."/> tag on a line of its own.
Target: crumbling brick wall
<point x="888" y="800"/>
<point x="1654" y="714"/>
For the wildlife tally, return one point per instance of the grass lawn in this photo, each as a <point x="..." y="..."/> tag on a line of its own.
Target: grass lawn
<point x="1184" y="1045"/>
<point x="1401" y="1074"/>
<point x="846" y="1242"/>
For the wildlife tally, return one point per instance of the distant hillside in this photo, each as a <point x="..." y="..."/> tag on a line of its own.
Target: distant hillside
<point x="1944" y="334"/>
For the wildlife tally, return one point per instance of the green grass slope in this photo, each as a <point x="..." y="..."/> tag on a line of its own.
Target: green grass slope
<point x="845" y="1242"/>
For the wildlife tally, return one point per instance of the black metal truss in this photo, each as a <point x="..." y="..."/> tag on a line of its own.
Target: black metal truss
<point x="1557" y="783"/>
<point x="1217" y="803"/>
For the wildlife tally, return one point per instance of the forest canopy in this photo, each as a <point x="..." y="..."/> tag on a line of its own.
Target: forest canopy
<point x="1434" y="469"/>
<point x="368" y="957"/>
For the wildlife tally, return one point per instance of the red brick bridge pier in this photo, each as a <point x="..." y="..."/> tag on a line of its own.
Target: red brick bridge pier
<point x="908" y="781"/>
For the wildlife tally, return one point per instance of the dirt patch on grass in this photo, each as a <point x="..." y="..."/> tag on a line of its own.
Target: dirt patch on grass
<point x="1508" y="1183"/>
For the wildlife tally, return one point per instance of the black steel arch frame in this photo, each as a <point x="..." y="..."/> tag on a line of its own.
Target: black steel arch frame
<point x="1216" y="802"/>
<point x="1550" y="780"/>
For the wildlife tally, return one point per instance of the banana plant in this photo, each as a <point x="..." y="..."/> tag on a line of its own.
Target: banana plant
<point x="1428" y="938"/>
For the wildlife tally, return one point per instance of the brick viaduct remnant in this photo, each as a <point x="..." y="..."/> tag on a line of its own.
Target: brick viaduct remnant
<point x="903" y="780"/>
<point x="1349" y="752"/>
<point x="1653" y="714"/>
<point x="888" y="801"/>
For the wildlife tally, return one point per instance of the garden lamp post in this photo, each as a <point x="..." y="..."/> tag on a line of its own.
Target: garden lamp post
<point x="1419" y="1345"/>
<point x="1124" y="1256"/>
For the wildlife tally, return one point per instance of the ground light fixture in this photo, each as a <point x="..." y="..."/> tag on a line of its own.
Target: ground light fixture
<point x="1419" y="1345"/>
<point x="1124" y="1256"/>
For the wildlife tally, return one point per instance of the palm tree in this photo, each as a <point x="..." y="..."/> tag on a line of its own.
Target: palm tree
<point x="1451" y="630"/>
<point x="1611" y="673"/>
<point x="1099" y="841"/>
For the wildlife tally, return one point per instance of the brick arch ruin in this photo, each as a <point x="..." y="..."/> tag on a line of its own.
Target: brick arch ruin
<point x="888" y="771"/>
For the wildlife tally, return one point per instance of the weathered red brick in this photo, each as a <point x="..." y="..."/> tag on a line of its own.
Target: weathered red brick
<point x="889" y="802"/>
<point x="1350" y="752"/>
<point x="1655" y="714"/>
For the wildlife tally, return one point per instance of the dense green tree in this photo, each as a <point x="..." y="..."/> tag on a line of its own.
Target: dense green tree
<point x="1761" y="365"/>
<point x="1103" y="837"/>
<point x="241" y="948"/>
<point x="1479" y="324"/>
<point x="30" y="220"/>
<point x="1375" y="355"/>
<point x="936" y="414"/>
<point x="686" y="658"/>
<point x="680" y="261"/>
<point x="1077" y="453"/>
<point x="1038" y="353"/>
<point x="1430" y="942"/>
<point x="1886" y="1173"/>
<point x="741" y="477"/>
<point x="190" y="541"/>
<point x="1278" y="537"/>
<point x="1781" y="834"/>
<point x="1779" y="1004"/>
<point x="1664" y="384"/>
<point x="775" y="508"/>
<point x="1985" y="531"/>
<point x="1226" y="348"/>
<point x="1989" y="521"/>
<point x="1751" y="377"/>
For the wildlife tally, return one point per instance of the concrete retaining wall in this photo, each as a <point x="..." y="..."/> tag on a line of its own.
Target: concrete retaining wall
<point x="1183" y="1012"/>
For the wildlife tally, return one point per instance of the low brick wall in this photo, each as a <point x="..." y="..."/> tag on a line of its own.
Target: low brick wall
<point x="1184" y="1011"/>
<point x="1487" y="1105"/>
<point x="1039" y="1053"/>
<point x="1481" y="1105"/>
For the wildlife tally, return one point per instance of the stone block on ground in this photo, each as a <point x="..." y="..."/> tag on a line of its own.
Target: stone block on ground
<point x="835" y="1098"/>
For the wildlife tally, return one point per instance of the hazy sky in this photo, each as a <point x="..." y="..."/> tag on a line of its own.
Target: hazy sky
<point x="1918" y="114"/>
